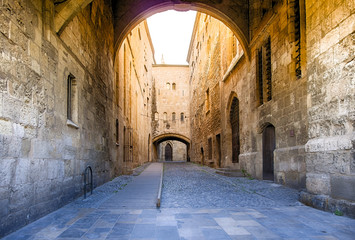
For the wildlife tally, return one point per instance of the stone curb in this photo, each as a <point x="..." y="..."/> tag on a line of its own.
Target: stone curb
<point x="160" y="186"/>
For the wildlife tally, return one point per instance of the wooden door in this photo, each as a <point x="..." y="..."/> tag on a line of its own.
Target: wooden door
<point x="218" y="143"/>
<point x="269" y="144"/>
<point x="234" y="120"/>
<point x="168" y="152"/>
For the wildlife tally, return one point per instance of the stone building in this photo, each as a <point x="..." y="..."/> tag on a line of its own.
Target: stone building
<point x="243" y="119"/>
<point x="68" y="101"/>
<point x="133" y="98"/>
<point x="282" y="111"/>
<point x="170" y="112"/>
<point x="76" y="89"/>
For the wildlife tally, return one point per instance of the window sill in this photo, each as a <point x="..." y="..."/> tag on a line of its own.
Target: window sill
<point x="70" y="123"/>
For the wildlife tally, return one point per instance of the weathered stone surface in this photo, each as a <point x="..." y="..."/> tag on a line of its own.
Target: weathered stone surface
<point x="318" y="183"/>
<point x="330" y="98"/>
<point x="329" y="204"/>
<point x="342" y="187"/>
<point x="217" y="64"/>
<point x="170" y="109"/>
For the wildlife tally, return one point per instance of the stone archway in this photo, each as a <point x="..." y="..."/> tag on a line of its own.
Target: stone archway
<point x="170" y="136"/>
<point x="127" y="14"/>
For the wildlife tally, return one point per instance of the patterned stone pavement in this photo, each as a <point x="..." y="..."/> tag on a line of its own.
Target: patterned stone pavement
<point x="110" y="219"/>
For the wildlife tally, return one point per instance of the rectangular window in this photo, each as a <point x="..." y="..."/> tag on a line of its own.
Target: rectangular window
<point x="263" y="70"/>
<point x="297" y="25"/>
<point x="268" y="69"/>
<point x="72" y="99"/>
<point x="259" y="71"/>
<point x="210" y="148"/>
<point x="173" y="116"/>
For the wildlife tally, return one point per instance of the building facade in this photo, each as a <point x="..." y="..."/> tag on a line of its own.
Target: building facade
<point x="170" y="112"/>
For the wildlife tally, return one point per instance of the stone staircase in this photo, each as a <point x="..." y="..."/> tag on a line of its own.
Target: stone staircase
<point x="229" y="172"/>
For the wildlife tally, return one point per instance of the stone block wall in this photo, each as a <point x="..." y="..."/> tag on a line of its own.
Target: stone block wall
<point x="133" y="98"/>
<point x="330" y="153"/>
<point x="225" y="72"/>
<point x="287" y="109"/>
<point x="171" y="87"/>
<point x="42" y="153"/>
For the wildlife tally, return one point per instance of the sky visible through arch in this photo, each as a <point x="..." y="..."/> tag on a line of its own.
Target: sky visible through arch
<point x="171" y="34"/>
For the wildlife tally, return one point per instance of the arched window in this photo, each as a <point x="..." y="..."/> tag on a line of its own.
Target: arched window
<point x="156" y="116"/>
<point x="174" y="86"/>
<point x="168" y="86"/>
<point x="165" y="116"/>
<point x="181" y="117"/>
<point x="173" y="116"/>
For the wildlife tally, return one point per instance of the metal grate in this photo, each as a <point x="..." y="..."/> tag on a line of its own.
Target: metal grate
<point x="260" y="76"/>
<point x="268" y="69"/>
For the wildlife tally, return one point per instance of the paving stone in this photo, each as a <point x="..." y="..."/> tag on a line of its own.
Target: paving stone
<point x="143" y="231"/>
<point x="167" y="232"/>
<point x="72" y="232"/>
<point x="215" y="234"/>
<point x="81" y="220"/>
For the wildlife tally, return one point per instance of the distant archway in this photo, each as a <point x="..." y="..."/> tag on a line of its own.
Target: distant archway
<point x="170" y="136"/>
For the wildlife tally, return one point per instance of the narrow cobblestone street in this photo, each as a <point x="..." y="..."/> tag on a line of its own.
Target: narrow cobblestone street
<point x="196" y="204"/>
<point x="188" y="185"/>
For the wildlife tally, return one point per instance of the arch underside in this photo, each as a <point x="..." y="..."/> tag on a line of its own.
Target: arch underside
<point x="127" y="14"/>
<point x="171" y="136"/>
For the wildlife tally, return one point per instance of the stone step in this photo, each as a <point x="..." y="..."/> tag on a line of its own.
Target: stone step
<point x="229" y="172"/>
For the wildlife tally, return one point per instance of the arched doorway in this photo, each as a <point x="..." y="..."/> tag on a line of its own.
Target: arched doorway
<point x="202" y="156"/>
<point x="269" y="145"/>
<point x="168" y="153"/>
<point x="234" y="120"/>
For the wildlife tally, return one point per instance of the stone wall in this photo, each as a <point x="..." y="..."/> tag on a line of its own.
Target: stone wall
<point x="133" y="97"/>
<point x="179" y="152"/>
<point x="43" y="151"/>
<point x="43" y="155"/>
<point x="171" y="104"/>
<point x="330" y="151"/>
<point x="170" y="119"/>
<point x="210" y="52"/>
<point x="220" y="68"/>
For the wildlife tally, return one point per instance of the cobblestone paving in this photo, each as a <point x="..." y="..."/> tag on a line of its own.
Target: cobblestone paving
<point x="188" y="185"/>
<point x="197" y="204"/>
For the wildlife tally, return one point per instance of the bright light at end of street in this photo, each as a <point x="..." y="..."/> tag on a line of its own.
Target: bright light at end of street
<point x="171" y="34"/>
